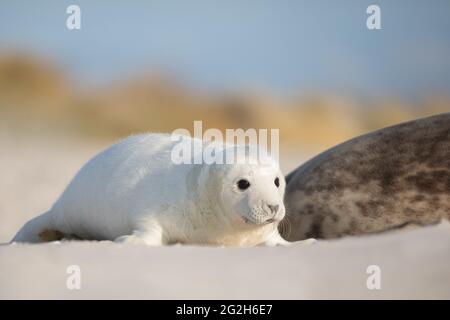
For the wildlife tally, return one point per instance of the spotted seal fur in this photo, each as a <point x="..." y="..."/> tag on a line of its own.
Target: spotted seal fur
<point x="389" y="178"/>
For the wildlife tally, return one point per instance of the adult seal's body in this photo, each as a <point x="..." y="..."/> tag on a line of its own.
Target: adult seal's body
<point x="134" y="192"/>
<point x="389" y="178"/>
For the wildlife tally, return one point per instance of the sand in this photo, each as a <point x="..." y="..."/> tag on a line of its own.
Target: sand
<point x="413" y="264"/>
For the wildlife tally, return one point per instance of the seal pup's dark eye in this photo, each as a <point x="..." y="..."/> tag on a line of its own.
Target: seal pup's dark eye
<point x="243" y="184"/>
<point x="277" y="182"/>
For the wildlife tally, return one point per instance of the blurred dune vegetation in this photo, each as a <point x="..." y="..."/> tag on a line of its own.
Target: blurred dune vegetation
<point x="37" y="95"/>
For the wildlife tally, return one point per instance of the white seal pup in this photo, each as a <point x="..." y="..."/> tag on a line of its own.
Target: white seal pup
<point x="134" y="192"/>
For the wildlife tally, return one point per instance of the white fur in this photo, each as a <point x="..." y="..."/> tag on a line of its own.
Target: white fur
<point x="133" y="192"/>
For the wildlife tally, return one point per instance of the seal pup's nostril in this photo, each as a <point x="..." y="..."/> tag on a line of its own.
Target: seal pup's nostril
<point x="273" y="208"/>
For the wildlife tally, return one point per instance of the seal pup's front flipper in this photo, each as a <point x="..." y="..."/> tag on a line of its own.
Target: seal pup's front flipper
<point x="152" y="236"/>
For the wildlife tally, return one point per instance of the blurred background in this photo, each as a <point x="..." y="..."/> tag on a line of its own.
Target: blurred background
<point x="309" y="68"/>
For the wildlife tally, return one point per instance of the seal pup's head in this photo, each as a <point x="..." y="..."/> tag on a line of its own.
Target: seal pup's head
<point x="251" y="190"/>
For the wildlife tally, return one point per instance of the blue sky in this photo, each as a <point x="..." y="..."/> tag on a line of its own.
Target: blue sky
<point x="285" y="46"/>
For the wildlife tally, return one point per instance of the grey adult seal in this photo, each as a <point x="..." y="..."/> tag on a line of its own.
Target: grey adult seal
<point x="389" y="178"/>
